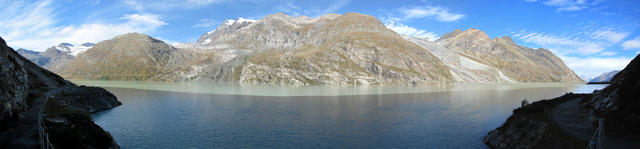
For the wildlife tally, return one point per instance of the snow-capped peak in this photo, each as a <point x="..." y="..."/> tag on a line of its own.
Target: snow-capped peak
<point x="73" y="49"/>
<point x="239" y="20"/>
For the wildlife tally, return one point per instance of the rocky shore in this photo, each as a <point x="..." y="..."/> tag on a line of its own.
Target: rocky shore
<point x="39" y="109"/>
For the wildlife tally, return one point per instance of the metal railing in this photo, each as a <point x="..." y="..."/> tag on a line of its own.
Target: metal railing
<point x="584" y="129"/>
<point x="597" y="140"/>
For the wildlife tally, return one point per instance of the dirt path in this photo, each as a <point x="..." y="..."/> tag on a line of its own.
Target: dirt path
<point x="25" y="132"/>
<point x="572" y="111"/>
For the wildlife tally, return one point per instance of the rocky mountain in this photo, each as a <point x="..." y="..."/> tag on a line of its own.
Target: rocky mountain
<point x="605" y="77"/>
<point x="35" y="102"/>
<point x="130" y="56"/>
<point x="57" y="57"/>
<point x="349" y="49"/>
<point x="518" y="63"/>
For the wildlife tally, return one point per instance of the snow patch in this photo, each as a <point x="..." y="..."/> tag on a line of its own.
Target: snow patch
<point x="206" y="41"/>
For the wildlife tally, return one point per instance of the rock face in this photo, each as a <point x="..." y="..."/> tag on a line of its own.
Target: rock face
<point x="28" y="89"/>
<point x="618" y="104"/>
<point x="620" y="101"/>
<point x="605" y="77"/>
<point x="349" y="49"/>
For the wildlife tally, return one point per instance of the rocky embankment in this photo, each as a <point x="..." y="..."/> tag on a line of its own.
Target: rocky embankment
<point x="618" y="105"/>
<point x="39" y="108"/>
<point x="530" y="127"/>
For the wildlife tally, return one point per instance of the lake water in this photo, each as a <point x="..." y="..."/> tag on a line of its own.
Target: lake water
<point x="169" y="115"/>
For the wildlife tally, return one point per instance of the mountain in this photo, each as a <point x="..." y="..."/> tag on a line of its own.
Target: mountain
<point x="516" y="62"/>
<point x="35" y="102"/>
<point x="55" y="58"/>
<point x="605" y="77"/>
<point x="73" y="50"/>
<point x="130" y="56"/>
<point x="349" y="49"/>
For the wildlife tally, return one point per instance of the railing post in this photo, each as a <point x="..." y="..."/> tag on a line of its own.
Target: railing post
<point x="601" y="134"/>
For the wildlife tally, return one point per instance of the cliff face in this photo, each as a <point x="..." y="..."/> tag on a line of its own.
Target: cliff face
<point x="29" y="92"/>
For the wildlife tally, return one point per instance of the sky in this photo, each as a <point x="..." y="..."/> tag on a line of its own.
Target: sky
<point x="590" y="36"/>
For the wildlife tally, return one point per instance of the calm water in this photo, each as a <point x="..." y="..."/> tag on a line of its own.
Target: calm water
<point x="288" y="117"/>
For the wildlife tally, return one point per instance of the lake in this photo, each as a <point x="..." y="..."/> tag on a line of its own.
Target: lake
<point x="220" y="115"/>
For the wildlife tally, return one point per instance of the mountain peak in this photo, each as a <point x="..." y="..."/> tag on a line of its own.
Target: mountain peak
<point x="505" y="40"/>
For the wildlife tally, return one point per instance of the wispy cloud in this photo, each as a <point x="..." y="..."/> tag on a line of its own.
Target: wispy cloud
<point x="583" y="52"/>
<point x="294" y="10"/>
<point x="207" y="23"/>
<point x="631" y="44"/>
<point x="586" y="43"/>
<point x="562" y="45"/>
<point x="569" y="5"/>
<point x="433" y="12"/>
<point x="337" y="5"/>
<point x="609" y="35"/>
<point x="167" y="5"/>
<point x="397" y="19"/>
<point x="35" y="26"/>
<point x="410" y="31"/>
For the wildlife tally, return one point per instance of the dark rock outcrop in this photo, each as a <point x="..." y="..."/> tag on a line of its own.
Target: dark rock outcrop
<point x="530" y="127"/>
<point x="618" y="104"/>
<point x="620" y="101"/>
<point x="28" y="95"/>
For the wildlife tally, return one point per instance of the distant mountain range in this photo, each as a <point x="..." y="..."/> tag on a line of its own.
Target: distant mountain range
<point x="605" y="77"/>
<point x="349" y="49"/>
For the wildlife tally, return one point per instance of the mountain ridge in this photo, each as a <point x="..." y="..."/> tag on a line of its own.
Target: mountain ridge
<point x="333" y="49"/>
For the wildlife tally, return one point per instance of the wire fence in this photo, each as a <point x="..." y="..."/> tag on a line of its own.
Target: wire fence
<point x="590" y="129"/>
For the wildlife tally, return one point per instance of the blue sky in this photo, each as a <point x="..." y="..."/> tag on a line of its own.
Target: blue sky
<point x="591" y="36"/>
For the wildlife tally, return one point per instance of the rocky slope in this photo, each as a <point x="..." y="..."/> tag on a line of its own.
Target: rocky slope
<point x="349" y="49"/>
<point x="519" y="63"/>
<point x="618" y="104"/>
<point x="130" y="56"/>
<point x="605" y="77"/>
<point x="530" y="127"/>
<point x="28" y="92"/>
<point x="620" y="101"/>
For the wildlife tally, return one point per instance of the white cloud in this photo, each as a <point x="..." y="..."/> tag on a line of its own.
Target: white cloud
<point x="34" y="26"/>
<point x="166" y="5"/>
<point x="207" y="23"/>
<point x="594" y="66"/>
<point x="410" y="31"/>
<point x="609" y="35"/>
<point x="569" y="5"/>
<point x="631" y="44"/>
<point x="436" y="12"/>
